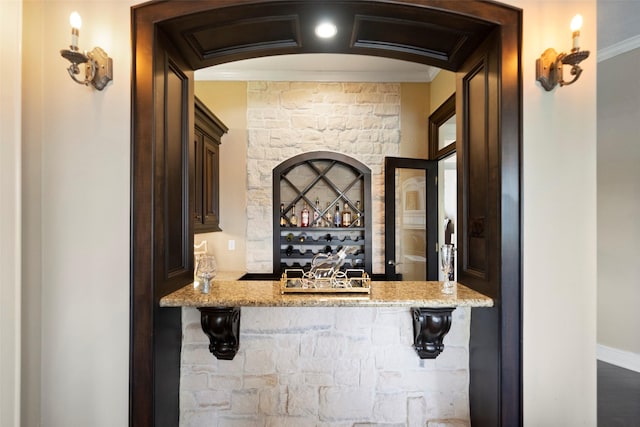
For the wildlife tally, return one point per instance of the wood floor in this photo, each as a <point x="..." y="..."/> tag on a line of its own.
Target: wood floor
<point x="618" y="396"/>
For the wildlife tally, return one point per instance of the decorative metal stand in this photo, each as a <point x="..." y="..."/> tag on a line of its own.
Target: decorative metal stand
<point x="222" y="326"/>
<point x="325" y="280"/>
<point x="430" y="325"/>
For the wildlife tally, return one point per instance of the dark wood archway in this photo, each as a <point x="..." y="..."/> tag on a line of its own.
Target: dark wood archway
<point x="176" y="37"/>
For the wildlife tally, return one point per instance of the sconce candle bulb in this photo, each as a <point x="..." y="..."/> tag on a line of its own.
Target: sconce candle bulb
<point x="76" y="23"/>
<point x="550" y="65"/>
<point x="576" y="25"/>
<point x="97" y="64"/>
<point x="75" y="20"/>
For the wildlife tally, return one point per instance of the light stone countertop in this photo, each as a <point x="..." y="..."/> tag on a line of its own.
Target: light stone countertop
<point x="227" y="292"/>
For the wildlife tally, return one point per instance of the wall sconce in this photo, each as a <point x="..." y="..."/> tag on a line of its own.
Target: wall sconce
<point x="98" y="68"/>
<point x="550" y="64"/>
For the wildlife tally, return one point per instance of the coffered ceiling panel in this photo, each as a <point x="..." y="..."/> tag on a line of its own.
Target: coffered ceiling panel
<point x="408" y="36"/>
<point x="268" y="34"/>
<point x="418" y="34"/>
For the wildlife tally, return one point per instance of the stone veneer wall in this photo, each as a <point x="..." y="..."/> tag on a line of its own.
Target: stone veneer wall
<point x="284" y="119"/>
<point x="328" y="367"/>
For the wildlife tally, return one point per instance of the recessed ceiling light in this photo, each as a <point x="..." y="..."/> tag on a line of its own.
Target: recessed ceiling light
<point x="326" y="30"/>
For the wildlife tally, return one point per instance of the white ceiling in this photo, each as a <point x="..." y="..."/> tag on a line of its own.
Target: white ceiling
<point x="618" y="30"/>
<point x="320" y="67"/>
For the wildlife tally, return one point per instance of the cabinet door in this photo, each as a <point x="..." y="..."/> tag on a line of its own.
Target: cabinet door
<point x="197" y="166"/>
<point x="172" y="199"/>
<point x="208" y="134"/>
<point x="210" y="174"/>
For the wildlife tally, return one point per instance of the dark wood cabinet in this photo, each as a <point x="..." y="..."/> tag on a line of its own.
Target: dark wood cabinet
<point x="207" y="139"/>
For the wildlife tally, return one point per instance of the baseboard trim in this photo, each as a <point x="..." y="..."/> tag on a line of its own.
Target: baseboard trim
<point x="621" y="358"/>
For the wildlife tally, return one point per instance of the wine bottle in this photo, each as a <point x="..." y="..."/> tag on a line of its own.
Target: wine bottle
<point x="328" y="217"/>
<point x="289" y="237"/>
<point x="346" y="215"/>
<point x="294" y="219"/>
<point x="304" y="216"/>
<point x="358" y="215"/>
<point x="289" y="250"/>
<point x="337" y="219"/>
<point x="327" y="265"/>
<point x="283" y="220"/>
<point x="316" y="214"/>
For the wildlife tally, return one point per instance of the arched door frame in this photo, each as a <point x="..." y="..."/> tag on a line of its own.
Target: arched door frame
<point x="144" y="378"/>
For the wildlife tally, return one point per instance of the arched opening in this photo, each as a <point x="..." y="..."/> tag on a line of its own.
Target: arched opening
<point x="443" y="34"/>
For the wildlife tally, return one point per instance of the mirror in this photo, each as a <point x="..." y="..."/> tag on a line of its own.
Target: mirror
<point x="442" y="130"/>
<point x="447" y="133"/>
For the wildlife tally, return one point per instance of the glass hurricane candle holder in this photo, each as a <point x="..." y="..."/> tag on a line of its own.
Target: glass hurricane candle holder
<point x="205" y="272"/>
<point x="446" y="264"/>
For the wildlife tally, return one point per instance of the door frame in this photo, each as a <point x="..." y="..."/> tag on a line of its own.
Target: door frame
<point x="145" y="369"/>
<point x="431" y="201"/>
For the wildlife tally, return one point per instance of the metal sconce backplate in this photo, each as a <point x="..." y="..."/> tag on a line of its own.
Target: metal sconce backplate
<point x="547" y="69"/>
<point x="103" y="68"/>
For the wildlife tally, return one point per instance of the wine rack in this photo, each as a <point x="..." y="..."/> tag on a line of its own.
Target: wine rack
<point x="299" y="246"/>
<point x="336" y="180"/>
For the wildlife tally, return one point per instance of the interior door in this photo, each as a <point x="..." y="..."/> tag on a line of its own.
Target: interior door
<point x="411" y="219"/>
<point x="488" y="248"/>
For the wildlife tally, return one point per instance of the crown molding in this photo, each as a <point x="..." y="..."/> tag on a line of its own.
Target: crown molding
<point x="619" y="48"/>
<point x="207" y="74"/>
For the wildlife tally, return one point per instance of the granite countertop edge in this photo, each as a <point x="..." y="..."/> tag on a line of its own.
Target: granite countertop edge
<point x="227" y="291"/>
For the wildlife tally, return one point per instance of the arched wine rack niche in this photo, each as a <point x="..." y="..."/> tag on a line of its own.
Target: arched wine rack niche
<point x="332" y="179"/>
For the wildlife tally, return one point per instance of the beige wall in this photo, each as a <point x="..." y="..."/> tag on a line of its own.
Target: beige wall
<point x="618" y="204"/>
<point x="84" y="186"/>
<point x="228" y="101"/>
<point x="32" y="171"/>
<point x="442" y="87"/>
<point x="414" y="119"/>
<point x="419" y="100"/>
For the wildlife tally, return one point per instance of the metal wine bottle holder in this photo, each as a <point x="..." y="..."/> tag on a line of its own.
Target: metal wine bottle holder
<point x="325" y="275"/>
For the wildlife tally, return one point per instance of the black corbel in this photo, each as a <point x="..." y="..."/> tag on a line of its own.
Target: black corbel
<point x="222" y="326"/>
<point x="430" y="325"/>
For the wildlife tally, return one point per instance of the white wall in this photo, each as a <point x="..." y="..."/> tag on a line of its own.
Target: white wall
<point x="10" y="242"/>
<point x="559" y="172"/>
<point x="78" y="200"/>
<point x="85" y="221"/>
